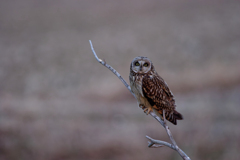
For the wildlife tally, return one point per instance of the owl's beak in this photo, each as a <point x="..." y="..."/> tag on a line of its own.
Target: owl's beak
<point x="140" y="68"/>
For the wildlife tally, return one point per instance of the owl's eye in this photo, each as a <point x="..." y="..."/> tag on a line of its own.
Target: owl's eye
<point x="137" y="64"/>
<point x="145" y="64"/>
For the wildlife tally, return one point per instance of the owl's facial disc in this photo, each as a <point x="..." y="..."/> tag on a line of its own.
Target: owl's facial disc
<point x="141" y="66"/>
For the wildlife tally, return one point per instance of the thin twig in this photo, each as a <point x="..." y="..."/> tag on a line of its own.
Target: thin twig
<point x="110" y="68"/>
<point x="153" y="143"/>
<point x="161" y="143"/>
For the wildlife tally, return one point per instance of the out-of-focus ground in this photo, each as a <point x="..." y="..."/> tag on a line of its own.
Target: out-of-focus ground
<point x="57" y="102"/>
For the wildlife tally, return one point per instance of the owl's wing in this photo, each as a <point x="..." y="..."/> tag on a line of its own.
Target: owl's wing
<point x="157" y="92"/>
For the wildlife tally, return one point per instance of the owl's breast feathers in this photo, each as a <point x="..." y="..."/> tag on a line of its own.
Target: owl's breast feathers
<point x="160" y="97"/>
<point x="136" y="84"/>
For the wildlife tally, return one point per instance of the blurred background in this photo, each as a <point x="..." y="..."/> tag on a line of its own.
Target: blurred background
<point x="57" y="102"/>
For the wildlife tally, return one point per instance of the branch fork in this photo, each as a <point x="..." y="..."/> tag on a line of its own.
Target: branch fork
<point x="153" y="143"/>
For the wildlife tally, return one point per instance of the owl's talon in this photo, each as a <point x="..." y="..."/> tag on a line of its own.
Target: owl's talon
<point x="141" y="106"/>
<point x="148" y="110"/>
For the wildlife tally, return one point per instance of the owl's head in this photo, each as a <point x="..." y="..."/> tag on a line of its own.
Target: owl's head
<point x="141" y="65"/>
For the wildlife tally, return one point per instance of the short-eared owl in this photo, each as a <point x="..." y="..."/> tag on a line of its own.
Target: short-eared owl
<point x="151" y="90"/>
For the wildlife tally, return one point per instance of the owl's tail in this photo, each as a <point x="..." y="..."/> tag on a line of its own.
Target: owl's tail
<point x="173" y="117"/>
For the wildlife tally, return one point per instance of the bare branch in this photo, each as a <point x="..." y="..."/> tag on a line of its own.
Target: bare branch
<point x="164" y="124"/>
<point x="157" y="143"/>
<point x="160" y="143"/>
<point x="110" y="68"/>
<point x="153" y="143"/>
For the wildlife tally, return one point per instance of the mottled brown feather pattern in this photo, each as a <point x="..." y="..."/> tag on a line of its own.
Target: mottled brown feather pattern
<point x="160" y="97"/>
<point x="152" y="91"/>
<point x="158" y="92"/>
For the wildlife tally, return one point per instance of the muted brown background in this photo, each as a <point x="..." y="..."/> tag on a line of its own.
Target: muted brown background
<point x="57" y="102"/>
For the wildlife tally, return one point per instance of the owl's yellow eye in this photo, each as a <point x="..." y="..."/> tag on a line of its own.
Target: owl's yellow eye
<point x="145" y="64"/>
<point x="137" y="64"/>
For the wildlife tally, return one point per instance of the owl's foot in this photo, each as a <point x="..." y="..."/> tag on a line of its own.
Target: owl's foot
<point x="148" y="110"/>
<point x="141" y="106"/>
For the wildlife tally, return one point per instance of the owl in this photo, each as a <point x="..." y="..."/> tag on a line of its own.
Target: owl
<point x="151" y="90"/>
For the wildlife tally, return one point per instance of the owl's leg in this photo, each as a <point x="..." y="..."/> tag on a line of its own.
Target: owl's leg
<point x="148" y="110"/>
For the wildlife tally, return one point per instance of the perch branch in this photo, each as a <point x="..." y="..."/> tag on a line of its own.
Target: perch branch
<point x="110" y="68"/>
<point x="153" y="143"/>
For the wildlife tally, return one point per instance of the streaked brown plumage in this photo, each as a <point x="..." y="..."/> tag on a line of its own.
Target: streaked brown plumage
<point x="151" y="90"/>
